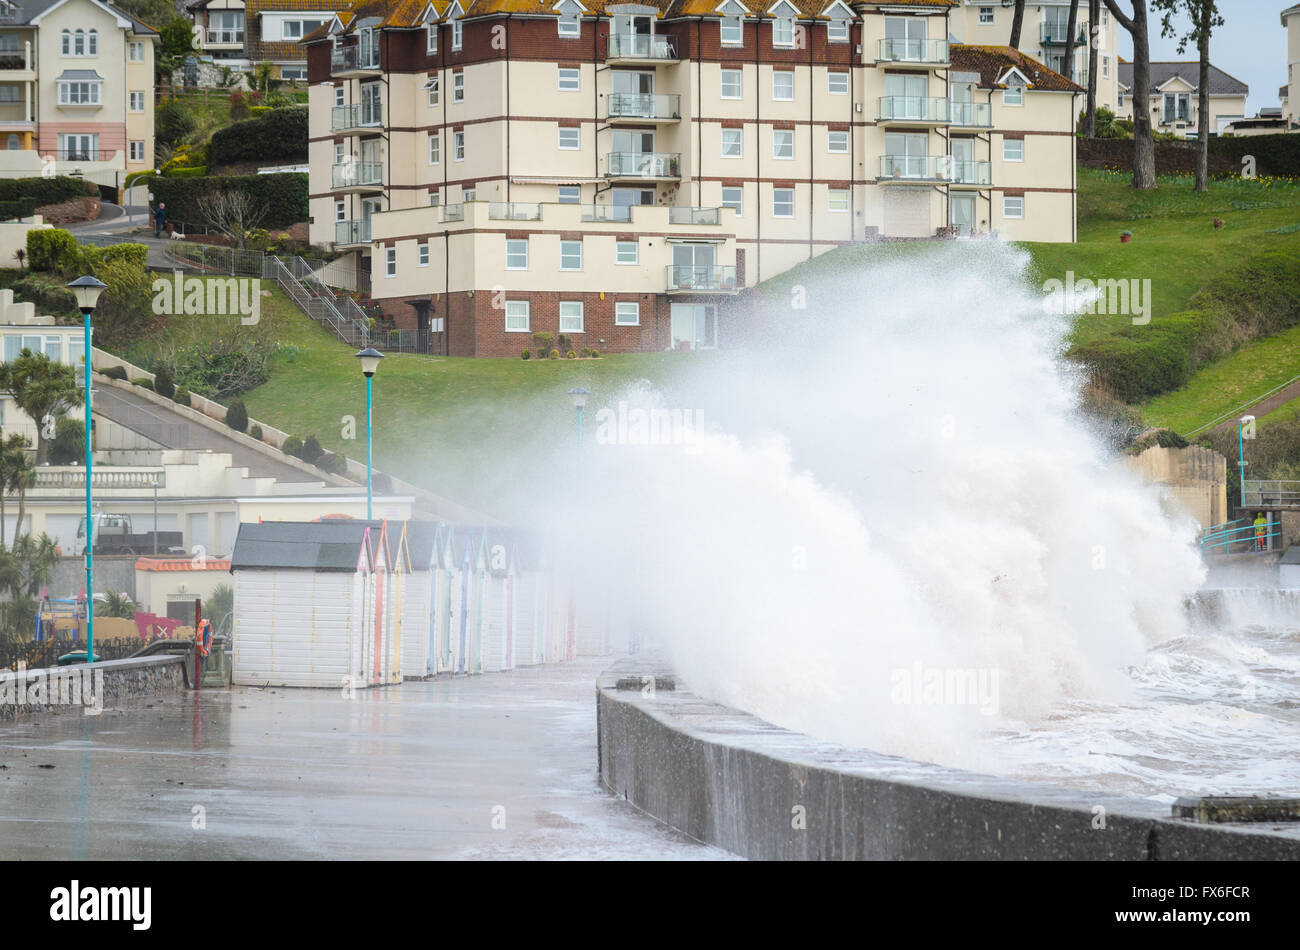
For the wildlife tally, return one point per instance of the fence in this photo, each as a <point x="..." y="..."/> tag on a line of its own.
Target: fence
<point x="42" y="654"/>
<point x="1240" y="537"/>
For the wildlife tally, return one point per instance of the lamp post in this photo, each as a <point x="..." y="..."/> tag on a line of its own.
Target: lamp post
<point x="154" y="484"/>
<point x="579" y="397"/>
<point x="1241" y="455"/>
<point x="370" y="358"/>
<point x="87" y="290"/>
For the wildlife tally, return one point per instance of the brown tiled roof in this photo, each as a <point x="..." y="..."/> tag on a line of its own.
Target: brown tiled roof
<point x="281" y="50"/>
<point x="257" y="7"/>
<point x="992" y="61"/>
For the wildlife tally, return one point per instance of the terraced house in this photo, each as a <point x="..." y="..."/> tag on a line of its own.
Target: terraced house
<point x="242" y="33"/>
<point x="76" y="87"/>
<point x="618" y="172"/>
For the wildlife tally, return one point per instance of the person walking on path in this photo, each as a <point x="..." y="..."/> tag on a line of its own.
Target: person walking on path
<point x="159" y="219"/>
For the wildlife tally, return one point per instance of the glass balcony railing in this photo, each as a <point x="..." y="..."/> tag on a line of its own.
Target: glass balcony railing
<point x="355" y="174"/>
<point x="971" y="173"/>
<point x="896" y="50"/>
<point x="454" y="212"/>
<point x="971" y="115"/>
<point x="514" y="211"/>
<point x="913" y="109"/>
<point x="618" y="213"/>
<point x="679" y="215"/>
<point x="1053" y="33"/>
<point x="702" y="279"/>
<point x="351" y="232"/>
<point x="355" y="58"/>
<point x="225" y="38"/>
<point x="643" y="165"/>
<point x="358" y="116"/>
<point x="624" y="105"/>
<point x="916" y="167"/>
<point x="641" y="46"/>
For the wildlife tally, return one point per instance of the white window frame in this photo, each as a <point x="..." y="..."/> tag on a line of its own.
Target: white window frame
<point x="568" y="79"/>
<point x="435" y="148"/>
<point x="837" y="31"/>
<point x="776" y="201"/>
<point x="339" y="96"/>
<point x="516" y="309"/>
<point x="736" y="137"/>
<point x="780" y="136"/>
<point x="132" y="98"/>
<point x="570" y="305"/>
<point x="431" y="38"/>
<point x="513" y="250"/>
<point x="783" y="32"/>
<point x="340" y="210"/>
<point x="783" y="72"/>
<point x="831" y="194"/>
<point x="1006" y="212"/>
<point x="136" y="150"/>
<point x="624" y="306"/>
<point x="390" y="262"/>
<point x="433" y="90"/>
<point x="738" y="205"/>
<point x="573" y="134"/>
<point x="563" y="190"/>
<point x="831" y="138"/>
<point x="1007" y="150"/>
<point x="573" y="24"/>
<point x="733" y="26"/>
<point x="297" y="73"/>
<point x="621" y="246"/>
<point x="422" y="254"/>
<point x="739" y="76"/>
<point x="986" y="15"/>
<point x="566" y="252"/>
<point x="92" y="89"/>
<point x="1105" y="66"/>
<point x="469" y="193"/>
<point x="457" y="34"/>
<point x="458" y="146"/>
<point x="835" y="77"/>
<point x="435" y="199"/>
<point x="136" y="52"/>
<point x="1013" y="96"/>
<point x="458" y="87"/>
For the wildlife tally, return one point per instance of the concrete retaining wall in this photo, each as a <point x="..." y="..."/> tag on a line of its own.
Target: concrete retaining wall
<point x="729" y="779"/>
<point x="68" y="689"/>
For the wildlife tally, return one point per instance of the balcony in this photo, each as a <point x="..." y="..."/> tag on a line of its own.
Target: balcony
<point x="615" y="213"/>
<point x="74" y="476"/>
<point x="971" y="174"/>
<point x="690" y="279"/>
<point x="644" y="166"/>
<point x="971" y="115"/>
<point x="1053" y="33"/>
<point x="910" y="169"/>
<point x="81" y="154"/>
<point x="361" y="119"/>
<point x="454" y="212"/>
<point x="680" y="215"/>
<point x="913" y="110"/>
<point x="223" y="39"/>
<point x="641" y="48"/>
<point x="357" y="177"/>
<point x="355" y="61"/>
<point x="351" y="232"/>
<point x="641" y="108"/>
<point x="514" y="211"/>
<point x="913" y="52"/>
<point x="16" y="66"/>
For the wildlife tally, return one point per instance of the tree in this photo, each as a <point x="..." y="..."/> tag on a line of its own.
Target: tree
<point x="117" y="604"/>
<point x="1071" y="27"/>
<point x="13" y="455"/>
<point x="173" y="122"/>
<point x="43" y="389"/>
<point x="231" y="212"/>
<point x="177" y="40"/>
<point x="1144" y="143"/>
<point x="1094" y="44"/>
<point x="20" y="475"/>
<point x="1017" y="24"/>
<point x="264" y="78"/>
<point x="1205" y="17"/>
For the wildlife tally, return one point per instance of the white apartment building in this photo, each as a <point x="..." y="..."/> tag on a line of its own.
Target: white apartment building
<point x="1175" y="98"/>
<point x="1290" y="103"/>
<point x="239" y="34"/>
<point x="617" y="172"/>
<point x="76" y="90"/>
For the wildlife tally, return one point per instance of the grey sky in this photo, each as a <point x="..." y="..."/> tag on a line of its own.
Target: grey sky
<point x="1251" y="45"/>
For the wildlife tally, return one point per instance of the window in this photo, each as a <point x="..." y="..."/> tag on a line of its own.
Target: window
<point x="783" y="202"/>
<point x="837" y="199"/>
<point x="733" y="31"/>
<point x="1105" y="17"/>
<point x="732" y="84"/>
<point x="293" y="72"/>
<point x="458" y="146"/>
<point x="516" y="316"/>
<point x="390" y="262"/>
<point x="137" y="151"/>
<point x="1120" y="100"/>
<point x="92" y="43"/>
<point x="78" y="147"/>
<point x="136" y="52"/>
<point x="837" y="84"/>
<point x="1013" y="96"/>
<point x="1177" y="106"/>
<point x="468" y="194"/>
<point x="783" y="31"/>
<point x="431" y="38"/>
<point x="517" y="254"/>
<point x="783" y="143"/>
<point x="986" y="15"/>
<point x="1013" y="150"/>
<point x="340" y="211"/>
<point x="458" y="87"/>
<point x="627" y="314"/>
<point x="570" y="79"/>
<point x="422" y="254"/>
<point x="570" y="316"/>
<point x="1105" y="67"/>
<point x="137" y="102"/>
<point x="433" y="85"/>
<point x="79" y="93"/>
<point x="570" y="255"/>
<point x="435" y="199"/>
<point x="1013" y="207"/>
<point x="837" y="143"/>
<point x="837" y="31"/>
<point x="569" y="195"/>
<point x="338" y="153"/>
<point x="783" y="85"/>
<point x="569" y="26"/>
<point x="625" y="252"/>
<point x="435" y="148"/>
<point x="570" y="138"/>
<point x="339" y="95"/>
<point x="457" y="34"/>
<point x="734" y="198"/>
<point x="733" y="143"/>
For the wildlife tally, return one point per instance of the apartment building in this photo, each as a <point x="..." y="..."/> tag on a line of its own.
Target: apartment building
<point x="617" y="173"/>
<point x="1043" y="38"/>
<point x="240" y="34"/>
<point x="1175" y="97"/>
<point x="76" y="89"/>
<point x="1290" y="103"/>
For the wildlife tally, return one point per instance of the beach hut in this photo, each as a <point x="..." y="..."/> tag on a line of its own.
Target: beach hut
<point x="467" y="602"/>
<point x="498" y="600"/>
<point x="529" y="602"/>
<point x="416" y="628"/>
<point x="444" y="581"/>
<point x="382" y="648"/>
<point x="305" y="609"/>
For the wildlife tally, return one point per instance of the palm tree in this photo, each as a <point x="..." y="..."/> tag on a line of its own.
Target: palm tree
<point x="21" y="475"/>
<point x="41" y="388"/>
<point x="118" y="605"/>
<point x="13" y="458"/>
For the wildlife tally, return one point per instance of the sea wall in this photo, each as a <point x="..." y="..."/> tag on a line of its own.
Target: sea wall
<point x="79" y="690"/>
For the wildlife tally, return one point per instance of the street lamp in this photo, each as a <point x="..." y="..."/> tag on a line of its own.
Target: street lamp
<point x="370" y="358"/>
<point x="154" y="484"/>
<point x="1241" y="455"/>
<point x="87" y="290"/>
<point x="579" y="397"/>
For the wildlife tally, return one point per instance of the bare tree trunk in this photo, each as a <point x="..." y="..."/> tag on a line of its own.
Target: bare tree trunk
<point x="1203" y="99"/>
<point x="1144" y="143"/>
<point x="1094" y="43"/>
<point x="1017" y="23"/>
<point x="22" y="510"/>
<point x="1071" y="27"/>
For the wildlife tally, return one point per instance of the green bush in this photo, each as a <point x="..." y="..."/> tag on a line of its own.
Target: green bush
<point x="283" y="195"/>
<point x="144" y="382"/>
<point x="333" y="463"/>
<point x="115" y="372"/>
<point x="237" y="416"/>
<point x="595" y="354"/>
<point x="553" y="355"/>
<point x="292" y="446"/>
<point x="259" y="110"/>
<point x="172" y="122"/>
<point x="238" y="106"/>
<point x="544" y="339"/>
<point x="162" y="383"/>
<point x="196" y="171"/>
<point x="570" y="355"/>
<point x="69" y="443"/>
<point x="256" y="432"/>
<point x="311" y="450"/>
<point x="526" y="354"/>
<point x="182" y="396"/>
<point x="49" y="248"/>
<point x="50" y="296"/>
<point x="45" y="191"/>
<point x="1274" y="154"/>
<point x="18" y="208"/>
<point x="278" y="135"/>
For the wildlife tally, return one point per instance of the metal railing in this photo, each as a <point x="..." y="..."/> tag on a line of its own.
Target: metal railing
<point x="14" y="60"/>
<point x="72" y="476"/>
<point x="357" y="175"/>
<point x="680" y="215"/>
<point x="453" y="212"/>
<point x="352" y="58"/>
<point x="84" y="154"/>
<point x="361" y="115"/>
<point x="225" y="38"/>
<point x="972" y="115"/>
<point x="351" y="232"/>
<point x="623" y="105"/>
<point x="1240" y="537"/>
<point x="913" y="51"/>
<point x="972" y="173"/>
<point x="514" y="211"/>
<point x="1271" y="493"/>
<point x="1052" y="32"/>
<point x="721" y="278"/>
<point x="643" y="164"/>
<point x="916" y="167"/>
<point x="617" y="213"/>
<point x="913" y="109"/>
<point x="641" y="46"/>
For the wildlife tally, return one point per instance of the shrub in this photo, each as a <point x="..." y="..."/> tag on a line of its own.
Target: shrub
<point x="292" y="446"/>
<point x="43" y="191"/>
<point x="172" y="122"/>
<point x="526" y="354"/>
<point x="256" y="432"/>
<point x="333" y="463"/>
<point x="566" y="343"/>
<point x="18" y="208"/>
<point x="124" y="313"/>
<point x="162" y="383"/>
<point x="543" y="339"/>
<point x="182" y="396"/>
<point x="279" y="135"/>
<point x="47" y="249"/>
<point x="238" y="107"/>
<point x="69" y="444"/>
<point x="595" y="354"/>
<point x="144" y="382"/>
<point x="541" y="353"/>
<point x="283" y="195"/>
<point x="553" y="355"/>
<point x="115" y="372"/>
<point x="311" y="450"/>
<point x="237" y="416"/>
<point x="50" y="296"/>
<point x="570" y="355"/>
<point x="586" y="351"/>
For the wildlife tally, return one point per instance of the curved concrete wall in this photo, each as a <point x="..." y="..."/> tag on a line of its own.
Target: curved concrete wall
<point x="729" y="779"/>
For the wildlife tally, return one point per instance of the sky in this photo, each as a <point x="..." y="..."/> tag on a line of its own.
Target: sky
<point x="1251" y="45"/>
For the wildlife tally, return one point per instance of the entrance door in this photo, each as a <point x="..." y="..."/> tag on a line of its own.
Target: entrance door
<point x="905" y="37"/>
<point x="694" y="326"/>
<point x="961" y="214"/>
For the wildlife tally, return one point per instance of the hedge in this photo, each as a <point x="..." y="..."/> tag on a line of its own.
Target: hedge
<point x="19" y="208"/>
<point x="279" y="135"/>
<point x="49" y="248"/>
<point x="284" y="196"/>
<point x="1274" y="154"/>
<point x="46" y="191"/>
